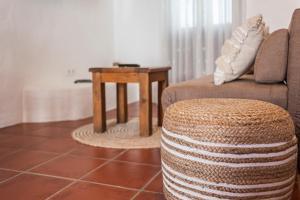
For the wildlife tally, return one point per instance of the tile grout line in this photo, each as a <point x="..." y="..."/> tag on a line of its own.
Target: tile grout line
<point x="10" y="178"/>
<point x="109" y="185"/>
<point x="41" y="151"/>
<point x="62" y="189"/>
<point x="50" y="176"/>
<point x="32" y="173"/>
<point x="121" y="161"/>
<point x="28" y="170"/>
<point x="56" y="157"/>
<point x="69" y="153"/>
<point x="72" y="179"/>
<point x="85" y="175"/>
<point x="137" y="163"/>
<point x="146" y="184"/>
<point x="107" y="161"/>
<point x="80" y="180"/>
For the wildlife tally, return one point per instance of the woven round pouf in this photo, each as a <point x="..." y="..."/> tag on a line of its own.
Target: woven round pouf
<point x="228" y="149"/>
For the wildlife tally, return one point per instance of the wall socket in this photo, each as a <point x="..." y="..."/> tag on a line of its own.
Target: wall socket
<point x="71" y="72"/>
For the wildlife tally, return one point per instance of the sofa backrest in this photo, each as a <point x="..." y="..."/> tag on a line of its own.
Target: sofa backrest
<point x="293" y="71"/>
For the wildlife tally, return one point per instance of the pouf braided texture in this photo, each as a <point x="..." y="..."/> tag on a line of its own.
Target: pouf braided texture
<point x="228" y="149"/>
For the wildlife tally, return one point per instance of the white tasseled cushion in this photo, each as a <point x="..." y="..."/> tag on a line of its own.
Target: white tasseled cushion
<point x="238" y="53"/>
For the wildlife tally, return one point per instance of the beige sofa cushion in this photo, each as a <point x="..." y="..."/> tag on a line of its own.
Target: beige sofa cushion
<point x="243" y="88"/>
<point x="271" y="60"/>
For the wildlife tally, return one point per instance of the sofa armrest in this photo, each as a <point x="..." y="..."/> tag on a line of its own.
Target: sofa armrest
<point x="293" y="72"/>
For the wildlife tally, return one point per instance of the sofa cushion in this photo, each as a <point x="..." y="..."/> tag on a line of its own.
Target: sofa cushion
<point x="271" y="60"/>
<point x="293" y="72"/>
<point x="243" y="88"/>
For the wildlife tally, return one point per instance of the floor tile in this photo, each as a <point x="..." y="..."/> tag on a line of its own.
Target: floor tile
<point x="69" y="166"/>
<point x="156" y="185"/>
<point x="124" y="174"/>
<point x="5" y="136"/>
<point x="58" y="132"/>
<point x="25" y="159"/>
<point x="34" y="126"/>
<point x="149" y="156"/>
<point x="21" y="128"/>
<point x="4" y="175"/>
<point x="72" y="124"/>
<point x="25" y="187"/>
<point x="95" y="152"/>
<point x="18" y="141"/>
<point x="89" y="191"/>
<point x="57" y="145"/>
<point x="6" y="150"/>
<point x="150" y="196"/>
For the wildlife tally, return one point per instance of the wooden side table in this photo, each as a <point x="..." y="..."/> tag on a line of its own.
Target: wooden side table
<point x="121" y="76"/>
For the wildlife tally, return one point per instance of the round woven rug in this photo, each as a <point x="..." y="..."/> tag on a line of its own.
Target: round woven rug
<point x="120" y="136"/>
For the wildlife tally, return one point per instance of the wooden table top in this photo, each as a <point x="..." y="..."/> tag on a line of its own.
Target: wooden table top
<point x="129" y="69"/>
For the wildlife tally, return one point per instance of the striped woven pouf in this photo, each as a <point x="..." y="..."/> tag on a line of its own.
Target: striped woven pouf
<point x="228" y="149"/>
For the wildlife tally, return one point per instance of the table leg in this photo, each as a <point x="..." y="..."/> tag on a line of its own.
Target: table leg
<point x="145" y="106"/>
<point x="99" y="118"/>
<point x="161" y="86"/>
<point x="122" y="110"/>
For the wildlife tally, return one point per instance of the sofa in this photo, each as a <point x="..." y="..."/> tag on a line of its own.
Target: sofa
<point x="285" y="94"/>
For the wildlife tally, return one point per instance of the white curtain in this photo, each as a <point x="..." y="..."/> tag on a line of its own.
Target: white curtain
<point x="196" y="32"/>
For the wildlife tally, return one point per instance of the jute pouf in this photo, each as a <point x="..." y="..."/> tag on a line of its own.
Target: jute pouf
<point x="228" y="149"/>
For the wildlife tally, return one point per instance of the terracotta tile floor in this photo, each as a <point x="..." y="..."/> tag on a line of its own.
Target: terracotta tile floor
<point x="41" y="161"/>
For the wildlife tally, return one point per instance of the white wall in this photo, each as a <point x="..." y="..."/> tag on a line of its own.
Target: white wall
<point x="11" y="69"/>
<point x="277" y="13"/>
<point x="65" y="35"/>
<point x="138" y="34"/>
<point x="42" y="40"/>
